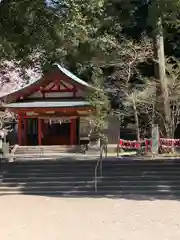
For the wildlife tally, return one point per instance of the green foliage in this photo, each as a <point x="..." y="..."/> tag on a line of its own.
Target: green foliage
<point x="86" y="34"/>
<point x="75" y="31"/>
<point x="100" y="104"/>
<point x="103" y="35"/>
<point x="167" y="10"/>
<point x="28" y="29"/>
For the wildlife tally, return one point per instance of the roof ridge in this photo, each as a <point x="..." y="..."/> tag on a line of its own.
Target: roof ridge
<point x="71" y="75"/>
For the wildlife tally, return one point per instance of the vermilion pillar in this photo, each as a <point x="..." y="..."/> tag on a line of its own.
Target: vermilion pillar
<point x="74" y="138"/>
<point x="19" y="129"/>
<point x="39" y="132"/>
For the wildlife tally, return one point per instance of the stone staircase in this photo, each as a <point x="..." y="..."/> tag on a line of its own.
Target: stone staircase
<point x="70" y="177"/>
<point x="45" y="151"/>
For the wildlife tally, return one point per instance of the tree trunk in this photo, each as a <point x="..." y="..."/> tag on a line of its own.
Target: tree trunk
<point x="160" y="71"/>
<point x="136" y="120"/>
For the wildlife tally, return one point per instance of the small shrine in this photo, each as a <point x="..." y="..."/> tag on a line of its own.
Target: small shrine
<point x="52" y="110"/>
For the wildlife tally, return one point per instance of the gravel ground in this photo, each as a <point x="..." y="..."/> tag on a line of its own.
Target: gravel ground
<point x="46" y="218"/>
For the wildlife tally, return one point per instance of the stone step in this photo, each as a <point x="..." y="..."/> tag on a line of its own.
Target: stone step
<point x="86" y="187"/>
<point x="18" y="151"/>
<point x="66" y="161"/>
<point x="132" y="178"/>
<point x="67" y="174"/>
<point x="112" y="161"/>
<point x="48" y="183"/>
<point x="77" y="178"/>
<point x="105" y="172"/>
<point x="45" y="187"/>
<point x="48" y="152"/>
<point x="101" y="193"/>
<point x="90" y="168"/>
<point x="46" y="149"/>
<point x="51" y="165"/>
<point x="45" y="179"/>
<point x="109" y="184"/>
<point x="62" y="164"/>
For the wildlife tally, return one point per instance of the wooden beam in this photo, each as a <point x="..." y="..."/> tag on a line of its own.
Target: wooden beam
<point x="49" y="86"/>
<point x="67" y="79"/>
<point x="33" y="88"/>
<point x="59" y="98"/>
<point x="59" y="91"/>
<point x="42" y="110"/>
<point x="42" y="116"/>
<point x="65" y="86"/>
<point x="57" y="85"/>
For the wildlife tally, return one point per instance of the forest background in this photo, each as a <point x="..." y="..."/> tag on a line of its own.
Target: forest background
<point x="128" y="48"/>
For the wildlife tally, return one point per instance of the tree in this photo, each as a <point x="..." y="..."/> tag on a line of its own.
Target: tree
<point x="28" y="40"/>
<point x="113" y="36"/>
<point x="173" y="86"/>
<point x="28" y="30"/>
<point x="100" y="104"/>
<point x="143" y="101"/>
<point x="159" y="13"/>
<point x="151" y="18"/>
<point x="92" y="41"/>
<point x="138" y="104"/>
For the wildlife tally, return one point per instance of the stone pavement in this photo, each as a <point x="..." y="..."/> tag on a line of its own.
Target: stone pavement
<point x="44" y="218"/>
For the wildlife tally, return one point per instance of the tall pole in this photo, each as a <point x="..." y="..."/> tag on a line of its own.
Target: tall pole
<point x="160" y="72"/>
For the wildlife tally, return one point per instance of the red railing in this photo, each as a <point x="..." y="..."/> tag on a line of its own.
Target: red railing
<point x="133" y="145"/>
<point x="126" y="144"/>
<point x="164" y="144"/>
<point x="169" y="144"/>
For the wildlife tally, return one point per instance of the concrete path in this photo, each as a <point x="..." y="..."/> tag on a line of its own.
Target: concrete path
<point x="44" y="218"/>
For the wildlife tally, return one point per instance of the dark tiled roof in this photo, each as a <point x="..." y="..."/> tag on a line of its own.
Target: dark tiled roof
<point x="48" y="104"/>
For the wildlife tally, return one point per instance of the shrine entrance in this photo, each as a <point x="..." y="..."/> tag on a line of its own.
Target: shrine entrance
<point x="31" y="135"/>
<point x="49" y="132"/>
<point x="56" y="132"/>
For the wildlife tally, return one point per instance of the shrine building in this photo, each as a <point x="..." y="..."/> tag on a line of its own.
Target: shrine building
<point x="52" y="110"/>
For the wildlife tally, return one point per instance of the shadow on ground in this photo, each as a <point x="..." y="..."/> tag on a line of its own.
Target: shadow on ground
<point x="123" y="178"/>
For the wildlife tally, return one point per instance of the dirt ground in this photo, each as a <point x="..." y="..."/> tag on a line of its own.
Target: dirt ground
<point x="48" y="218"/>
